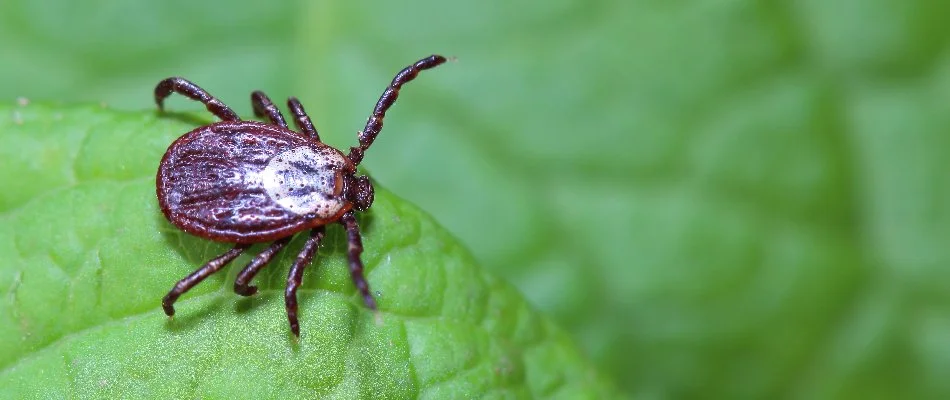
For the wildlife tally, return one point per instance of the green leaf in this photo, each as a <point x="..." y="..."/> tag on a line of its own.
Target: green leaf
<point x="88" y="257"/>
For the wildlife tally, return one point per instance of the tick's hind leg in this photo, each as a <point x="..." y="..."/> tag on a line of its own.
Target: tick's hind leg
<point x="247" y="274"/>
<point x="264" y="107"/>
<point x="301" y="119"/>
<point x="199" y="275"/>
<point x="185" y="88"/>
<point x="354" y="250"/>
<point x="295" y="277"/>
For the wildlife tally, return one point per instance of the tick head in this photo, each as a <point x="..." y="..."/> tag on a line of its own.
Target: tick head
<point x="359" y="191"/>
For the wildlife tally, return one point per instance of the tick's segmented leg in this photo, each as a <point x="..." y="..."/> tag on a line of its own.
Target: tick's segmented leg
<point x="199" y="275"/>
<point x="247" y="274"/>
<point x="375" y="122"/>
<point x="264" y="107"/>
<point x="302" y="119"/>
<point x="354" y="250"/>
<point x="295" y="277"/>
<point x="185" y="88"/>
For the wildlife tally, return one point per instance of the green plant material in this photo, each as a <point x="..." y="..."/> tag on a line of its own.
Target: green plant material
<point x="722" y="199"/>
<point x="88" y="256"/>
<point x="719" y="199"/>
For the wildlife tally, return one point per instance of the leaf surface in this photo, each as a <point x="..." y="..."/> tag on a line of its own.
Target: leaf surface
<point x="89" y="256"/>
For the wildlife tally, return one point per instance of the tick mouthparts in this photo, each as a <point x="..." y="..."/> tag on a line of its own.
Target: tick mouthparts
<point x="361" y="193"/>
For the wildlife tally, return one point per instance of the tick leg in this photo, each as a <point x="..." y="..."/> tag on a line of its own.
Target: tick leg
<point x="302" y="119"/>
<point x="355" y="248"/>
<point x="263" y="106"/>
<point x="295" y="277"/>
<point x="185" y="88"/>
<point x="375" y="122"/>
<point x="247" y="274"/>
<point x="199" y="275"/>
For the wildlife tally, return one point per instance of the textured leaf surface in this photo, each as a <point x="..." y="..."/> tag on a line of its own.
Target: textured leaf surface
<point x="88" y="257"/>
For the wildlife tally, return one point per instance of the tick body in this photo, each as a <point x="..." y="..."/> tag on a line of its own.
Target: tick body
<point x="247" y="182"/>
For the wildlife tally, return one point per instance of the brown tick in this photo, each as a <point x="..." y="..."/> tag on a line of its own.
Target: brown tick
<point x="247" y="182"/>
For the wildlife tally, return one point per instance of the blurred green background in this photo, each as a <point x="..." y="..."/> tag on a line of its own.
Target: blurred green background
<point x="719" y="199"/>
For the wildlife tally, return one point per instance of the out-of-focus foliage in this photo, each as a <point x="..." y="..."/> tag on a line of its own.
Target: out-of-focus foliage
<point x="719" y="199"/>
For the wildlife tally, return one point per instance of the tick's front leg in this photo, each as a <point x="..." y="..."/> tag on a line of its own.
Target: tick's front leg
<point x="354" y="250"/>
<point x="375" y="122"/>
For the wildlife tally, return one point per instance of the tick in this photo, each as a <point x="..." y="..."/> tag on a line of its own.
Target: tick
<point x="247" y="182"/>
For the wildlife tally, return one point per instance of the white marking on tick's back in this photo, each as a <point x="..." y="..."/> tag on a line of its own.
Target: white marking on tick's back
<point x="303" y="181"/>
